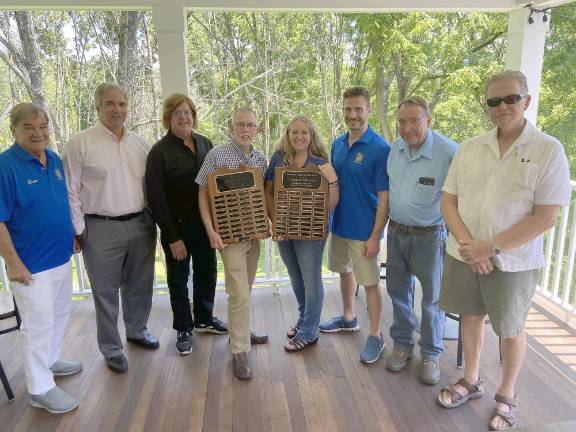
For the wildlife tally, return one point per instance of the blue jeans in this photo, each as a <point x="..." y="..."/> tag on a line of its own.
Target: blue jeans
<point x="421" y="256"/>
<point x="303" y="260"/>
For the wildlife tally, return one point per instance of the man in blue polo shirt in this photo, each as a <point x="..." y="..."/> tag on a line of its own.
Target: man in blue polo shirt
<point x="36" y="241"/>
<point x="417" y="166"/>
<point x="359" y="158"/>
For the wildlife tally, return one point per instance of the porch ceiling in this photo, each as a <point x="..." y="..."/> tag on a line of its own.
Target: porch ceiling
<point x="286" y="5"/>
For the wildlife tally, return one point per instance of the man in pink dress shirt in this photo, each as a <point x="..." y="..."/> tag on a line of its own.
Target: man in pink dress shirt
<point x="105" y="167"/>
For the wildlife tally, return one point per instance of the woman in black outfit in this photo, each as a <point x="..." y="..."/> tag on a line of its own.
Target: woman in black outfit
<point x="171" y="168"/>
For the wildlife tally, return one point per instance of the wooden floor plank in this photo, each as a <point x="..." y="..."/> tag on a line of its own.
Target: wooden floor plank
<point x="324" y="388"/>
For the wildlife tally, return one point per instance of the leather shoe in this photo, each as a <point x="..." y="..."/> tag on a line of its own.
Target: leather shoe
<point x="257" y="338"/>
<point x="117" y="364"/>
<point x="147" y="341"/>
<point x="241" y="366"/>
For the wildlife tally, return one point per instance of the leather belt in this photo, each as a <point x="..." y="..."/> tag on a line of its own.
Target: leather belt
<point x="125" y="217"/>
<point x="413" y="230"/>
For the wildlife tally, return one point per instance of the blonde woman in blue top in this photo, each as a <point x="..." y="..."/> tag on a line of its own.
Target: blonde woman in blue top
<point x="299" y="146"/>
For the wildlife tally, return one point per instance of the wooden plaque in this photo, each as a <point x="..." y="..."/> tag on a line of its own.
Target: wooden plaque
<point x="238" y="205"/>
<point x="300" y="203"/>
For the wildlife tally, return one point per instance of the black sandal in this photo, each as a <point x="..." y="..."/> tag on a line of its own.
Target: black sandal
<point x="295" y="344"/>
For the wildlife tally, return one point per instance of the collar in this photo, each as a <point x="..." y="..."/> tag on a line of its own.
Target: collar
<point x="19" y="151"/>
<point x="239" y="149"/>
<point x="176" y="138"/>
<point x="363" y="139"/>
<point x="523" y="138"/>
<point x="309" y="160"/>
<point x="125" y="131"/>
<point x="425" y="149"/>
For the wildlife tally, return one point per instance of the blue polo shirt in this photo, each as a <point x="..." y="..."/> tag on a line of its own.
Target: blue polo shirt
<point x="277" y="160"/>
<point x="361" y="170"/>
<point x="34" y="206"/>
<point x="416" y="180"/>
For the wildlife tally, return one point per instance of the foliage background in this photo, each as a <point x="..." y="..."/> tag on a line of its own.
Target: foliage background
<point x="281" y="64"/>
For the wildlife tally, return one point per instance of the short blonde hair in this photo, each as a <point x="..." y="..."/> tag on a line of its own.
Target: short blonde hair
<point x="316" y="148"/>
<point x="24" y="111"/>
<point x="174" y="101"/>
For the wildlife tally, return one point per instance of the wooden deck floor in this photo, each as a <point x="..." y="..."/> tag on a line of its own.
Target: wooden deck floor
<point x="324" y="388"/>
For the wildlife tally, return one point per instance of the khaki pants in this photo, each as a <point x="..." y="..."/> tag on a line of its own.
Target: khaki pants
<point x="240" y="265"/>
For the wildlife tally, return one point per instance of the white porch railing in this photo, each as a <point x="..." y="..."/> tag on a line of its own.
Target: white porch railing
<point x="270" y="270"/>
<point x="557" y="279"/>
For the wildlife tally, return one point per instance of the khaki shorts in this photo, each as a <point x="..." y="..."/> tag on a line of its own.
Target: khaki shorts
<point x="504" y="296"/>
<point x="345" y="256"/>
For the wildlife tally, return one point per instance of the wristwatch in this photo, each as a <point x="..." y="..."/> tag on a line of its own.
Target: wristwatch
<point x="495" y="248"/>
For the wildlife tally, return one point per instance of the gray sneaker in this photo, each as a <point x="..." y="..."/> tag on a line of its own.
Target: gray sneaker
<point x="430" y="371"/>
<point x="372" y="349"/>
<point x="338" y="324"/>
<point x="56" y="401"/>
<point x="65" y="367"/>
<point x="397" y="359"/>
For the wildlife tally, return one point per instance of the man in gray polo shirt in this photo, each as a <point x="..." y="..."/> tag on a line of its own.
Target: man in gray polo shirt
<point x="417" y="166"/>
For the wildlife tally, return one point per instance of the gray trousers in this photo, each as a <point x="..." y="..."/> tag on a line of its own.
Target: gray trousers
<point x="119" y="255"/>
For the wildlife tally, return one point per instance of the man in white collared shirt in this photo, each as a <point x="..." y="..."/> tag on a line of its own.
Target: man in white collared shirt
<point x="105" y="167"/>
<point x="503" y="191"/>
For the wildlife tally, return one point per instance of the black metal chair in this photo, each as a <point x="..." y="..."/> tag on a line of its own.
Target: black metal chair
<point x="4" y="316"/>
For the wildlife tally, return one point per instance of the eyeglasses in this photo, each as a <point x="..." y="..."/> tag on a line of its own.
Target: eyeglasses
<point x="410" y="122"/>
<point x="246" y="125"/>
<point x="185" y="113"/>
<point x="508" y="100"/>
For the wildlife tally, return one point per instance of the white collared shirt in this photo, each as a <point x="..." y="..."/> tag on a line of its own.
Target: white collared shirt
<point x="105" y="175"/>
<point x="495" y="194"/>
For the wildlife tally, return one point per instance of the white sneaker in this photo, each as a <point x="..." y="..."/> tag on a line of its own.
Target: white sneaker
<point x="65" y="367"/>
<point x="56" y="401"/>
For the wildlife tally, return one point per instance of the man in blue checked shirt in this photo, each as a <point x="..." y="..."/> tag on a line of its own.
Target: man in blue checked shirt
<point x="356" y="224"/>
<point x="240" y="259"/>
<point x="417" y="166"/>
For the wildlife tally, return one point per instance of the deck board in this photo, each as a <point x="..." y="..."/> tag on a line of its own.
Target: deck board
<point x="324" y="388"/>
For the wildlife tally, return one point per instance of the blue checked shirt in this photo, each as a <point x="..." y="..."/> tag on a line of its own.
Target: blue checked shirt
<point x="231" y="156"/>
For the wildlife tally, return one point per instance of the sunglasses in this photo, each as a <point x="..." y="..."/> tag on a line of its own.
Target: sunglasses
<point x="508" y="100"/>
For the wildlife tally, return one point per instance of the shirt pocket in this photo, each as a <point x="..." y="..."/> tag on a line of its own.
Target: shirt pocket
<point x="524" y="177"/>
<point x="94" y="172"/>
<point x="424" y="194"/>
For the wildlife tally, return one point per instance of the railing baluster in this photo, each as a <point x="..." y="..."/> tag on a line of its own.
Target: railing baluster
<point x="548" y="261"/>
<point x="570" y="268"/>
<point x="4" y="276"/>
<point x="560" y="253"/>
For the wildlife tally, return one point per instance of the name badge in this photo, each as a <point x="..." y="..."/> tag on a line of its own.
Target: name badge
<point x="426" y="181"/>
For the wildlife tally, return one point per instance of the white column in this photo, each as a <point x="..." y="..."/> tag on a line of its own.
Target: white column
<point x="525" y="51"/>
<point x="171" y="29"/>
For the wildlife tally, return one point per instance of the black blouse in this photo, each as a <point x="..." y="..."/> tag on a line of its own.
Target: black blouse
<point x="171" y="189"/>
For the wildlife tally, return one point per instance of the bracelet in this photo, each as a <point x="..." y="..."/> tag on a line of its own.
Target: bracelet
<point x="335" y="182"/>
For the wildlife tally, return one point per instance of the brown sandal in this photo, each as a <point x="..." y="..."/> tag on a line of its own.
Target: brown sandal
<point x="509" y="416"/>
<point x="474" y="392"/>
<point x="292" y="332"/>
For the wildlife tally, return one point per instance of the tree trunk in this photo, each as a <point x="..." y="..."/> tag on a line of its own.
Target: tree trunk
<point x="126" y="34"/>
<point x="383" y="82"/>
<point x="29" y="59"/>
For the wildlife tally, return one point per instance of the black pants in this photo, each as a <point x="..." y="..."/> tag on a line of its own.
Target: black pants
<point x="204" y="271"/>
